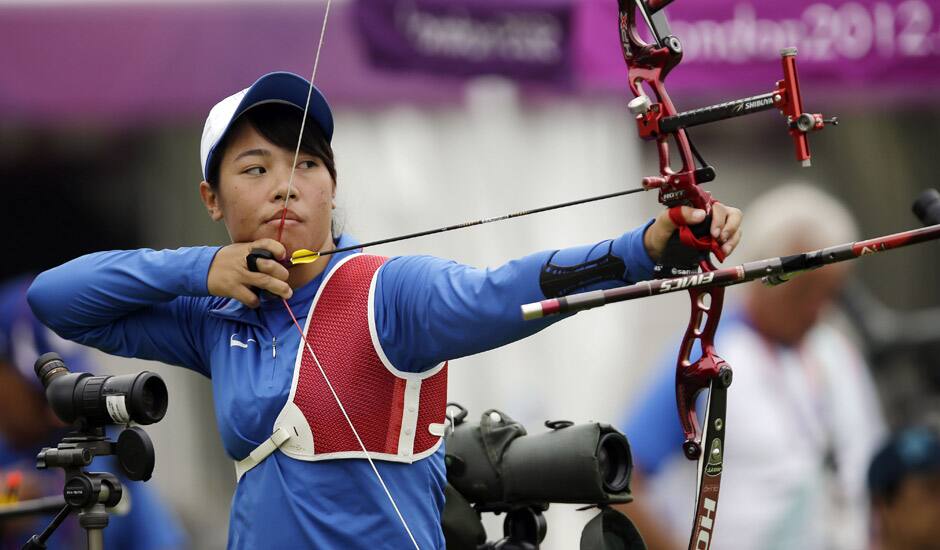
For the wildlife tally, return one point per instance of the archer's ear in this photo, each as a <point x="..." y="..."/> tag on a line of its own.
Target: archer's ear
<point x="211" y="199"/>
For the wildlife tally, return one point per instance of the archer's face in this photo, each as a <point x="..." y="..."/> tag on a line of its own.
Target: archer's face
<point x="253" y="182"/>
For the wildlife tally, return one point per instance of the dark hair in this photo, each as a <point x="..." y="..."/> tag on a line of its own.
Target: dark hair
<point x="279" y="123"/>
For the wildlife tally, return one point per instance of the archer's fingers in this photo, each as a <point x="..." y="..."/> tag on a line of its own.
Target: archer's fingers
<point x="728" y="246"/>
<point x="273" y="269"/>
<point x="692" y="216"/>
<point x="271" y="246"/>
<point x="244" y="295"/>
<point x="726" y="222"/>
<point x="274" y="286"/>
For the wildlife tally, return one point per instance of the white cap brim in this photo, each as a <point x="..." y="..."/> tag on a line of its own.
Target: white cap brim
<point x="277" y="87"/>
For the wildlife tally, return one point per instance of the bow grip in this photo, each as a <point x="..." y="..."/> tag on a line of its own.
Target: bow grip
<point x="688" y="246"/>
<point x="692" y="237"/>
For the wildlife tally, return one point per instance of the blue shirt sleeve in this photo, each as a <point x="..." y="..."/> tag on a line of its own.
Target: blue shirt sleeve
<point x="430" y="310"/>
<point x="134" y="303"/>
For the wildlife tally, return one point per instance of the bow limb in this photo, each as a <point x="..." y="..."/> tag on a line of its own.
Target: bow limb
<point x="709" y="372"/>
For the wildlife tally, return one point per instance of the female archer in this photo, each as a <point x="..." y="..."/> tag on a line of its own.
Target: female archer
<point x="329" y="377"/>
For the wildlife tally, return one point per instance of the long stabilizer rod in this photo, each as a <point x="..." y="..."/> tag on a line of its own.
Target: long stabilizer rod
<point x="773" y="271"/>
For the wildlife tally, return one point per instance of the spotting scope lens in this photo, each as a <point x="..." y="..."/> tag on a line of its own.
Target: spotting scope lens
<point x="101" y="400"/>
<point x="613" y="458"/>
<point x="496" y="464"/>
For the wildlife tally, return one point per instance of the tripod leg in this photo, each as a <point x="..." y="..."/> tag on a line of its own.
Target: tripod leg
<point x="93" y="520"/>
<point x="39" y="542"/>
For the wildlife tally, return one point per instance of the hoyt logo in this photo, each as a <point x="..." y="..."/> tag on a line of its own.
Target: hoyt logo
<point x="706" y="522"/>
<point x="686" y="282"/>
<point x="673" y="196"/>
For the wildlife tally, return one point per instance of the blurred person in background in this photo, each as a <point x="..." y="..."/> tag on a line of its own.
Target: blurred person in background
<point x="904" y="485"/>
<point x="27" y="423"/>
<point x="804" y="418"/>
<point x="383" y="329"/>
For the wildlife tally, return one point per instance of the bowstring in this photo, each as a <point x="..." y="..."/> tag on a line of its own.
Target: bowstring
<point x="303" y="337"/>
<point x="303" y="120"/>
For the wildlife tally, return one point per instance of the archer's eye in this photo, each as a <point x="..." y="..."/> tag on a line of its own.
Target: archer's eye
<point x="255" y="171"/>
<point x="307" y="164"/>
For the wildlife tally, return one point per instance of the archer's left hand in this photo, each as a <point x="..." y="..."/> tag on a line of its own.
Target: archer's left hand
<point x="726" y="228"/>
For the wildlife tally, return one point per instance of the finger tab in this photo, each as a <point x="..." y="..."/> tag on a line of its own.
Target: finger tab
<point x="255" y="255"/>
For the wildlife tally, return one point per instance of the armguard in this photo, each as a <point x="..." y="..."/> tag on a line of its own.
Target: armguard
<point x="556" y="280"/>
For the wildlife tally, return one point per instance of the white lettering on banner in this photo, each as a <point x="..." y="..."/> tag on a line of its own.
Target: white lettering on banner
<point x="519" y="37"/>
<point x="823" y="32"/>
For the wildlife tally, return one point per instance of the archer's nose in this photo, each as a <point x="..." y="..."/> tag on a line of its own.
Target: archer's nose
<point x="284" y="188"/>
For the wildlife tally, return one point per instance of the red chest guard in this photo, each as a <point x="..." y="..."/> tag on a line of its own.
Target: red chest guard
<point x="399" y="415"/>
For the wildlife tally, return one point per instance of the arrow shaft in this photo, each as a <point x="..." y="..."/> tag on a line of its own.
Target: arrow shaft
<point x="482" y="221"/>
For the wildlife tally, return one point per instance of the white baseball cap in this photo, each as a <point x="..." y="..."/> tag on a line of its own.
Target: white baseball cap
<point x="277" y="87"/>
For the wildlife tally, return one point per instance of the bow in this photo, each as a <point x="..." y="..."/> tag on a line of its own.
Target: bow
<point x="648" y="65"/>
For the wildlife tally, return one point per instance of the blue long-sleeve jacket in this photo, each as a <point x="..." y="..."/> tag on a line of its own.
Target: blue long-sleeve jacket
<point x="155" y="305"/>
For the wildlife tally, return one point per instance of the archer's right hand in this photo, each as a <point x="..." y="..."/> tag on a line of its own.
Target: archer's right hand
<point x="230" y="277"/>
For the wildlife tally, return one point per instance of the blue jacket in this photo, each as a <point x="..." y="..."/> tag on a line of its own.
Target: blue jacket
<point x="155" y="305"/>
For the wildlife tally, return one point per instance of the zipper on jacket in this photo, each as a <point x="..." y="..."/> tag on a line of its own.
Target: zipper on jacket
<point x="274" y="347"/>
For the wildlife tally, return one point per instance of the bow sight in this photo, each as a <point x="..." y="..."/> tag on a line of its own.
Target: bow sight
<point x="649" y="64"/>
<point x="653" y="123"/>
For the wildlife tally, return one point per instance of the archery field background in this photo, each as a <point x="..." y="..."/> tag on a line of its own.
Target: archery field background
<point x="101" y="111"/>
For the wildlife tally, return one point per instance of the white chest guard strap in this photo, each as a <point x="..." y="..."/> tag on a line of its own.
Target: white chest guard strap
<point x="271" y="444"/>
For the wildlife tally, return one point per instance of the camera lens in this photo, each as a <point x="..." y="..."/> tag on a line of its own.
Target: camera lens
<point x="614" y="462"/>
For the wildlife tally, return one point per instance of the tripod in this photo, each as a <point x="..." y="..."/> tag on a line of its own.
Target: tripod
<point x="91" y="493"/>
